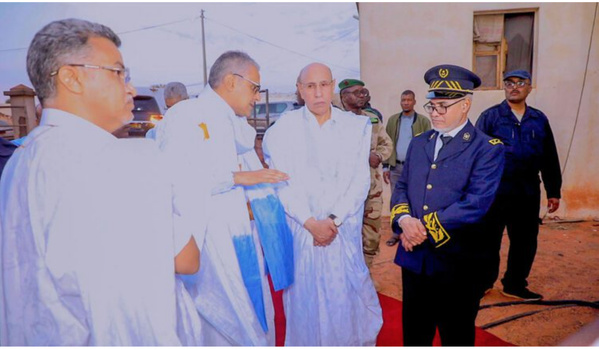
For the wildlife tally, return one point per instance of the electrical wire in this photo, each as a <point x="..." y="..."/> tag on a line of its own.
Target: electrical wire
<point x="586" y="70"/>
<point x="556" y="304"/>
<point x="155" y="26"/>
<point x="584" y="79"/>
<point x="353" y="30"/>
<point x="122" y="33"/>
<point x="593" y="304"/>
<point x="14" y="49"/>
<point x="517" y="316"/>
<point x="279" y="46"/>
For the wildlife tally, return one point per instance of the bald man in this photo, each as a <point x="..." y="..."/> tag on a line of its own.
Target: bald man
<point x="325" y="153"/>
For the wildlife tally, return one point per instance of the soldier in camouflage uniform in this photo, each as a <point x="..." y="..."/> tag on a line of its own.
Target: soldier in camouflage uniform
<point x="353" y="98"/>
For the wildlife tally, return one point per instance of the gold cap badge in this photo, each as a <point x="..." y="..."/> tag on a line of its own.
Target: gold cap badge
<point x="443" y="73"/>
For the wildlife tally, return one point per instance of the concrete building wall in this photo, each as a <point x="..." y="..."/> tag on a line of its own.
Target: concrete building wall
<point x="400" y="41"/>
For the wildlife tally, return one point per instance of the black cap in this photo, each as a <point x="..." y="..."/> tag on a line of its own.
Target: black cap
<point x="449" y="81"/>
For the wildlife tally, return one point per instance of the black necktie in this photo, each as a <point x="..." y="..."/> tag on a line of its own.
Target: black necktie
<point x="445" y="139"/>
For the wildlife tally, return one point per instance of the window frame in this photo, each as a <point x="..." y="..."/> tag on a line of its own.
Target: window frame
<point x="503" y="49"/>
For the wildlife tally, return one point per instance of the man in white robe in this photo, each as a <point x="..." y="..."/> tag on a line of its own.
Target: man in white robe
<point x="207" y="136"/>
<point x="325" y="153"/>
<point x="87" y="251"/>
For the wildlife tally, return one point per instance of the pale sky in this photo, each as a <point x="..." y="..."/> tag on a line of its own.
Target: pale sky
<point x="162" y="42"/>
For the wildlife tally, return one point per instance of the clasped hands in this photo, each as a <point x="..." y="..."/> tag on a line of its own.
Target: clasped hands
<point x="413" y="234"/>
<point x="323" y="231"/>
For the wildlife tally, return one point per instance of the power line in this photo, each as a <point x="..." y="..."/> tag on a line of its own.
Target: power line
<point x="235" y="30"/>
<point x="336" y="39"/>
<point x="121" y="33"/>
<point x="280" y="47"/>
<point x="15" y="49"/>
<point x="155" y="26"/>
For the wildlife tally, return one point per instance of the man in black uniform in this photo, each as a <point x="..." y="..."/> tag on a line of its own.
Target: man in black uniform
<point x="448" y="183"/>
<point x="529" y="149"/>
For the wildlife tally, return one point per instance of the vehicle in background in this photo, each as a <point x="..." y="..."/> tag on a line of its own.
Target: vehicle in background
<point x="6" y="131"/>
<point x="148" y="110"/>
<point x="264" y="117"/>
<point x="145" y="115"/>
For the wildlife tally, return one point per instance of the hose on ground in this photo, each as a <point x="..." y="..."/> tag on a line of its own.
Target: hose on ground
<point x="556" y="304"/>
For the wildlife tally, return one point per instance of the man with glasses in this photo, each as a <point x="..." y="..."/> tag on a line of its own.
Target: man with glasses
<point x="447" y="185"/>
<point x="87" y="259"/>
<point x="353" y="99"/>
<point x="530" y="150"/>
<point x="325" y="152"/>
<point x="402" y="127"/>
<point x="211" y="147"/>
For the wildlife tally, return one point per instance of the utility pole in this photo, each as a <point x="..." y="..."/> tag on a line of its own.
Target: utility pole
<point x="204" y="49"/>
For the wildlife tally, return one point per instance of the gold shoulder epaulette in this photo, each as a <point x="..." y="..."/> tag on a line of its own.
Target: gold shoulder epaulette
<point x="495" y="142"/>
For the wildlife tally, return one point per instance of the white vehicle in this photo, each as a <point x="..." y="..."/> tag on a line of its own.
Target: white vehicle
<point x="264" y="117"/>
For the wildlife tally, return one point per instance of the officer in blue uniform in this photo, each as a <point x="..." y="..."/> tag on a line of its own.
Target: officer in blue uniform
<point x="6" y="150"/>
<point x="448" y="183"/>
<point x="529" y="150"/>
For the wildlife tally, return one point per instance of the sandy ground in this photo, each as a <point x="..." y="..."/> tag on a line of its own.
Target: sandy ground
<point x="566" y="268"/>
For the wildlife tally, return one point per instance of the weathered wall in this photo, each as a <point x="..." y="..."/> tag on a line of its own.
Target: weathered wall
<point x="400" y="41"/>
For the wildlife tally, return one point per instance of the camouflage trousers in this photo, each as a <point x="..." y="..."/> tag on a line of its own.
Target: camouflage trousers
<point x="371" y="228"/>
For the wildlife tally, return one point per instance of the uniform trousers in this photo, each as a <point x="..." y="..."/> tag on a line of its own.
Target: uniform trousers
<point x="395" y="172"/>
<point x="447" y="301"/>
<point x="520" y="214"/>
<point x="371" y="227"/>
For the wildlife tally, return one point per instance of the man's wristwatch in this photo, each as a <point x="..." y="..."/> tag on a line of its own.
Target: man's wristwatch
<point x="336" y="220"/>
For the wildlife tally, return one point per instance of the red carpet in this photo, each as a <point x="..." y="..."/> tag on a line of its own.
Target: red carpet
<point x="391" y="333"/>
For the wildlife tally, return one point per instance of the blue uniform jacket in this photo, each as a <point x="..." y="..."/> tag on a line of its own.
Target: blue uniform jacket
<point x="529" y="149"/>
<point x="450" y="196"/>
<point x="6" y="150"/>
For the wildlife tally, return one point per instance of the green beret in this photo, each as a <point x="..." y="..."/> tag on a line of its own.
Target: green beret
<point x="345" y="83"/>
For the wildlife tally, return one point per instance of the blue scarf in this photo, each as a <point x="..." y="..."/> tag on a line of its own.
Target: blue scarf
<point x="273" y="231"/>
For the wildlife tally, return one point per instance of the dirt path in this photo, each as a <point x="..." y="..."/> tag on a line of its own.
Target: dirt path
<point x="566" y="267"/>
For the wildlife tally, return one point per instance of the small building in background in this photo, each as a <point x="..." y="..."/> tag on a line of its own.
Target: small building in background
<point x="557" y="42"/>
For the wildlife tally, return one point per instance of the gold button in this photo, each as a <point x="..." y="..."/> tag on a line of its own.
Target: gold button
<point x="433" y="166"/>
<point x="425" y="207"/>
<point x="429" y="186"/>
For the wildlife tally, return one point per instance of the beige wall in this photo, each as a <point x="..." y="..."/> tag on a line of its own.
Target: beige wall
<point x="400" y="41"/>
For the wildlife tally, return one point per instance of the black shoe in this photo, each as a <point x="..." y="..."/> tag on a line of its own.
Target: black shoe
<point x="523" y="294"/>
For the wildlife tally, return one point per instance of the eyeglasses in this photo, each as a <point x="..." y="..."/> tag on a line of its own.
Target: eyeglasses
<point x="514" y="84"/>
<point x="255" y="86"/>
<point x="441" y="109"/>
<point x="310" y="87"/>
<point x="123" y="73"/>
<point x="358" y="93"/>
